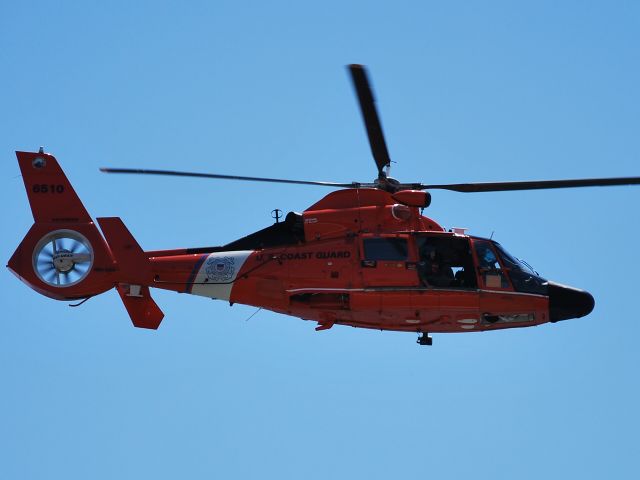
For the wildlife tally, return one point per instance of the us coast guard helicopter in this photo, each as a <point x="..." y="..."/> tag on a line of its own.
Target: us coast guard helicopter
<point x="363" y="256"/>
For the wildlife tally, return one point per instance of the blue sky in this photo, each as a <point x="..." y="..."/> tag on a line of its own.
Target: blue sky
<point x="467" y="91"/>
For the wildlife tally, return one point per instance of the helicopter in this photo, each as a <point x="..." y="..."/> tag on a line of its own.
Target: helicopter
<point x="364" y="255"/>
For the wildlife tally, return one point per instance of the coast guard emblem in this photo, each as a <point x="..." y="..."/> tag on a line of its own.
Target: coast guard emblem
<point x="220" y="270"/>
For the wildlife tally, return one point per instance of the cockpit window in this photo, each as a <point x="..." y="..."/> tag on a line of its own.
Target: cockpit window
<point x="523" y="277"/>
<point x="489" y="267"/>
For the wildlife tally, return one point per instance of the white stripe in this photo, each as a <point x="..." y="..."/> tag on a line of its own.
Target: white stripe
<point x="217" y="274"/>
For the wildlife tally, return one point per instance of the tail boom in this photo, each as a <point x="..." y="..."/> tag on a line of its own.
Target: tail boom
<point x="65" y="256"/>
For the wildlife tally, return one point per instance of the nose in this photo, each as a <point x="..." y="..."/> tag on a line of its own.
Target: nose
<point x="568" y="302"/>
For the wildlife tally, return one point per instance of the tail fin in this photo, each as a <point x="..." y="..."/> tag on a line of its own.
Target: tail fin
<point x="51" y="196"/>
<point x="64" y="256"/>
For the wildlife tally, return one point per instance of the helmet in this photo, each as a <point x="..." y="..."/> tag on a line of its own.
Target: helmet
<point x="488" y="256"/>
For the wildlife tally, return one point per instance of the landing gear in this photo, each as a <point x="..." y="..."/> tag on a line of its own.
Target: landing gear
<point x="425" y="339"/>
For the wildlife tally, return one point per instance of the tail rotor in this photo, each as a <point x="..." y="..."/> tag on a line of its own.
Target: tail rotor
<point x="62" y="258"/>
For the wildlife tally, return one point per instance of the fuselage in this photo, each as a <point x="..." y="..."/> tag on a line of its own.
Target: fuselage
<point x="360" y="258"/>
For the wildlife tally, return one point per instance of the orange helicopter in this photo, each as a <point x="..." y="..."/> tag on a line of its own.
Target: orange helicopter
<point x="363" y="256"/>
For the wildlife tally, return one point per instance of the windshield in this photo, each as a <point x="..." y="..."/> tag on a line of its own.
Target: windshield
<point x="512" y="261"/>
<point x="523" y="277"/>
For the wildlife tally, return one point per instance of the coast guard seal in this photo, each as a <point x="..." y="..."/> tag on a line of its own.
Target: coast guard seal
<point x="220" y="270"/>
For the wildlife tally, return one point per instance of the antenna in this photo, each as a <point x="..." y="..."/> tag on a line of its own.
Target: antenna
<point x="277" y="214"/>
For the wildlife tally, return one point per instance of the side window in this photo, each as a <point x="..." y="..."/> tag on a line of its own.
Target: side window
<point x="384" y="248"/>
<point x="491" y="273"/>
<point x="445" y="262"/>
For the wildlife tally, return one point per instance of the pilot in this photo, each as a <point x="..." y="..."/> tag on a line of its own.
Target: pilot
<point x="490" y="268"/>
<point x="431" y="269"/>
<point x="487" y="258"/>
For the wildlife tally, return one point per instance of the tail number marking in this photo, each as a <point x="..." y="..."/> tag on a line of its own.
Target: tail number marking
<point x="44" y="188"/>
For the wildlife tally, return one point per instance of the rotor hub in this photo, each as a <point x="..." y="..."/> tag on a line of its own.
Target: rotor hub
<point x="63" y="261"/>
<point x="388" y="184"/>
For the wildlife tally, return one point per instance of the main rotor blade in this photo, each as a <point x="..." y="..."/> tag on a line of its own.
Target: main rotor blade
<point x="370" y="117"/>
<point x="175" y="173"/>
<point x="534" y="185"/>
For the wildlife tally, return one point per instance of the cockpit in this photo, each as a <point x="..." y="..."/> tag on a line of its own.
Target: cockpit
<point x="456" y="261"/>
<point x="448" y="261"/>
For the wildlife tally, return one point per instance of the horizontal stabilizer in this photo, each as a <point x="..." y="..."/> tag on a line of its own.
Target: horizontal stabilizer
<point x="144" y="312"/>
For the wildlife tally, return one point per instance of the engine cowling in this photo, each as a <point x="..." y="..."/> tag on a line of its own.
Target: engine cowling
<point x="413" y="198"/>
